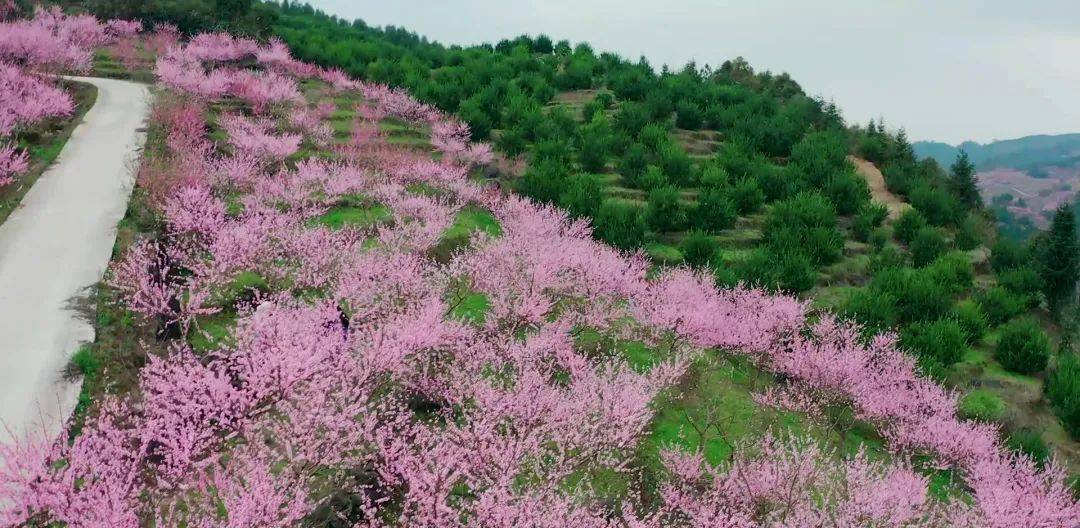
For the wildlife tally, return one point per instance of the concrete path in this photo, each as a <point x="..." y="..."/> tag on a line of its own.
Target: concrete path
<point x="53" y="247"/>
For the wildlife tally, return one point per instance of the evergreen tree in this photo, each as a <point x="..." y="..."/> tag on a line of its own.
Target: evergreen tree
<point x="964" y="183"/>
<point x="1059" y="260"/>
<point x="594" y="144"/>
<point x="903" y="154"/>
<point x="620" y="225"/>
<point x="664" y="212"/>
<point x="583" y="195"/>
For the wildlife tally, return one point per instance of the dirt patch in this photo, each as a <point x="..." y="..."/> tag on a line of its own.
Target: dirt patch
<point x="578" y="97"/>
<point x="878" y="191"/>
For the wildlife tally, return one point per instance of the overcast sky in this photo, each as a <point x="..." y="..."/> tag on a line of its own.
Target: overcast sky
<point x="946" y="70"/>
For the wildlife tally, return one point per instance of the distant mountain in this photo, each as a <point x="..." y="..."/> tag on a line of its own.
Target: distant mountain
<point x="1022" y="180"/>
<point x="1031" y="154"/>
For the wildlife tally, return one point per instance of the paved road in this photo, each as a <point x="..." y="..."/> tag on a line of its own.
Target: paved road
<point x="56" y="245"/>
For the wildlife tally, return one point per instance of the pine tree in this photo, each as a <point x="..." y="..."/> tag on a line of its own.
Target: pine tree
<point x="964" y="183"/>
<point x="1059" y="260"/>
<point x="904" y="153"/>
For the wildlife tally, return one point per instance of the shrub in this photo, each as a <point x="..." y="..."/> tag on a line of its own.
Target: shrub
<point x="1023" y="346"/>
<point x="887" y="258"/>
<point x="619" y="143"/>
<point x="937" y="344"/>
<point x="982" y="405"/>
<point x="776" y="182"/>
<point x="583" y="195"/>
<point x="654" y="178"/>
<point x="713" y="175"/>
<point x="971" y="319"/>
<point x="472" y="112"/>
<point x="804" y="223"/>
<point x="1063" y="391"/>
<point x="821" y="244"/>
<point x="590" y="110"/>
<point x="794" y="272"/>
<point x="1030" y="443"/>
<point x="1007" y="254"/>
<point x="715" y="210"/>
<point x="929" y="243"/>
<point x="848" y="192"/>
<point x="874" y="309"/>
<point x="969" y="234"/>
<point x="664" y="210"/>
<point x="688" y="115"/>
<point x="869" y="217"/>
<point x="633" y="164"/>
<point x="820" y="155"/>
<point x="747" y="196"/>
<point x="736" y="159"/>
<point x="511" y="141"/>
<point x="953" y="271"/>
<point x="698" y="248"/>
<point x="878" y="238"/>
<point x="659" y="105"/>
<point x="543" y="182"/>
<point x="1000" y="305"/>
<point x="937" y="205"/>
<point x="654" y="137"/>
<point x="676" y="165"/>
<point x="757" y="268"/>
<point x="620" y="225"/>
<point x="592" y="153"/>
<point x="725" y="276"/>
<point x="909" y="223"/>
<point x="918" y="296"/>
<point x="791" y="272"/>
<point x="631" y="118"/>
<point x="1024" y="282"/>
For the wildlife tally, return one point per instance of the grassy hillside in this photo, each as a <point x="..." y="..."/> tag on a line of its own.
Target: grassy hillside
<point x="739" y="172"/>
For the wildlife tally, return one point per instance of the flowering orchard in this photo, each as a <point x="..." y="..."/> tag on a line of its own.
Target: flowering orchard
<point x="51" y="42"/>
<point x="354" y="390"/>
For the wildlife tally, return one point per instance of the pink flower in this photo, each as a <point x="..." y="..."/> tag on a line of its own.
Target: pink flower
<point x="13" y="162"/>
<point x="256" y="138"/>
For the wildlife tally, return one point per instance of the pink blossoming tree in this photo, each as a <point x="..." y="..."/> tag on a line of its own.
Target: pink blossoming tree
<point x="357" y="390"/>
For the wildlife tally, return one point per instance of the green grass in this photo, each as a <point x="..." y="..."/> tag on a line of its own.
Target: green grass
<point x="467" y="221"/>
<point x="245" y="283"/>
<point x="982" y="405"/>
<point x="470" y="220"/>
<point x="472" y="308"/>
<point x="87" y="364"/>
<point x="830" y="297"/>
<point x="340" y="216"/>
<point x="212" y="332"/>
<point x="663" y="253"/>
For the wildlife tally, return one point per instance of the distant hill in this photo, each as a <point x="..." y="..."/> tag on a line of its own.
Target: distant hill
<point x="1032" y="154"/>
<point x="1023" y="180"/>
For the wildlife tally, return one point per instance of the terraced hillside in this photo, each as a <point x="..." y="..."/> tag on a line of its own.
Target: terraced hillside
<point x="741" y="173"/>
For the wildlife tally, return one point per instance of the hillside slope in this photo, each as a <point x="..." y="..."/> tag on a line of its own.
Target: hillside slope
<point x="330" y="312"/>
<point x="727" y="170"/>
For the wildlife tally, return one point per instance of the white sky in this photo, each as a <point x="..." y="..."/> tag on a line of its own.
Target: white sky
<point x="947" y="70"/>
